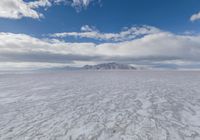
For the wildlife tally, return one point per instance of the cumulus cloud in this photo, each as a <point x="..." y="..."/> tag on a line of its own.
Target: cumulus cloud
<point x="17" y="9"/>
<point x="152" y="50"/>
<point x="93" y="33"/>
<point x="195" y="17"/>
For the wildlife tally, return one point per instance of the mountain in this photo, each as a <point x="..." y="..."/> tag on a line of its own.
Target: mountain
<point x="103" y="66"/>
<point x="109" y="66"/>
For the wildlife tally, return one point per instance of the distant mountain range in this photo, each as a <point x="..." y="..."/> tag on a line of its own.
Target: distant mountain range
<point x="103" y="66"/>
<point x="109" y="66"/>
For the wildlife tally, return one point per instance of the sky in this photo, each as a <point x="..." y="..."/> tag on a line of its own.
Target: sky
<point x="154" y="34"/>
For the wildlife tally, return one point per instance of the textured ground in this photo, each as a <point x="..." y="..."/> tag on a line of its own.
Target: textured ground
<point x="137" y="105"/>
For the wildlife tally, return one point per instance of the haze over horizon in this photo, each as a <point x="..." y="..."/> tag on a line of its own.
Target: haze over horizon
<point x="38" y="34"/>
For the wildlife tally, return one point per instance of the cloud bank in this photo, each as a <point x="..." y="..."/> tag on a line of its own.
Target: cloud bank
<point x="155" y="49"/>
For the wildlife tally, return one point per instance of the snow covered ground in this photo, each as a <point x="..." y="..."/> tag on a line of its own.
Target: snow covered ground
<point x="100" y="105"/>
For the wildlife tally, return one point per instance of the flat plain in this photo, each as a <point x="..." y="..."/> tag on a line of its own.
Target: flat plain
<point x="100" y="105"/>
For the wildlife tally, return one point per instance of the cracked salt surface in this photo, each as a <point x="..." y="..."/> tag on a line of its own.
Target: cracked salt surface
<point x="100" y="105"/>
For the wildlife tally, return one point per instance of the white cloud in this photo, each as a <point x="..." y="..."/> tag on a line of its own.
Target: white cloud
<point x="195" y="17"/>
<point x="93" y="33"/>
<point x="17" y="9"/>
<point x="40" y="3"/>
<point x="157" y="49"/>
<point x="87" y="28"/>
<point x="83" y="3"/>
<point x="77" y="4"/>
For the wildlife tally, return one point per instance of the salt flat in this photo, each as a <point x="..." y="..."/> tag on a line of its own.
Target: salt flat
<point x="100" y="105"/>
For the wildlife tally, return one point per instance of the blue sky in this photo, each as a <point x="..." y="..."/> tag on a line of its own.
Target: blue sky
<point x="102" y="27"/>
<point x="110" y="16"/>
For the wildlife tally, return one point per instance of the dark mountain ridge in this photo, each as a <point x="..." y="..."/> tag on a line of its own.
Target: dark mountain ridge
<point x="109" y="66"/>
